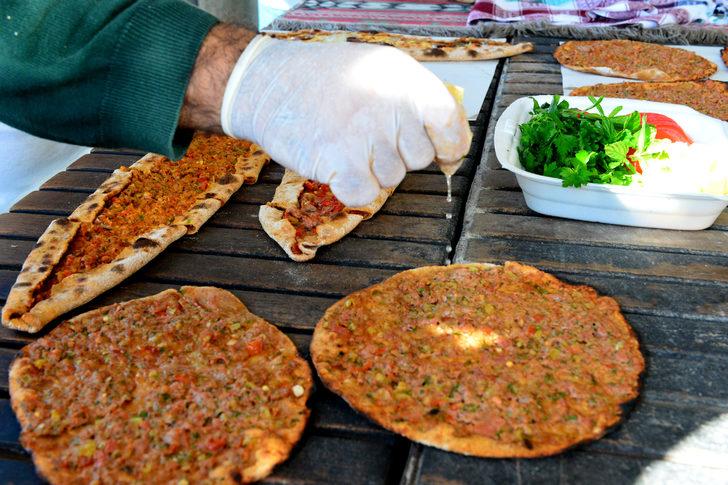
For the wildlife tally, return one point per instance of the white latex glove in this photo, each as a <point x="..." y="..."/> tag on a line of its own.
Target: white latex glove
<point x="355" y="116"/>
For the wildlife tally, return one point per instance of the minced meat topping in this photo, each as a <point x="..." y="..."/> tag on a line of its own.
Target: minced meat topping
<point x="160" y="390"/>
<point x="507" y="353"/>
<point x="151" y="200"/>
<point x="316" y="205"/>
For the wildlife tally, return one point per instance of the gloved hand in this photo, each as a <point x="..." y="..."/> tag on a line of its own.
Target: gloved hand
<point x="355" y="116"/>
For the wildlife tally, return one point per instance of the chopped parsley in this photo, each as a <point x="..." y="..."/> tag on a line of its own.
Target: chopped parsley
<point x="581" y="147"/>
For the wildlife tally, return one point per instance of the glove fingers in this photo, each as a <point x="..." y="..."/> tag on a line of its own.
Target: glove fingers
<point x="387" y="165"/>
<point x="415" y="147"/>
<point x="354" y="187"/>
<point x="446" y="125"/>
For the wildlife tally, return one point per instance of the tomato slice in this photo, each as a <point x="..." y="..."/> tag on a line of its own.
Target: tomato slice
<point x="667" y="128"/>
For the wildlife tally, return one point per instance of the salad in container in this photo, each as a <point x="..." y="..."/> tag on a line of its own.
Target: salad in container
<point x="617" y="161"/>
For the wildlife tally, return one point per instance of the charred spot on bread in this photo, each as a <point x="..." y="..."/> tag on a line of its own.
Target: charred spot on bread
<point x="23" y="284"/>
<point x="63" y="221"/>
<point x="39" y="244"/>
<point x="472" y="53"/>
<point x="435" y="52"/>
<point x="226" y="179"/>
<point x="354" y="39"/>
<point x="257" y="152"/>
<point x="119" y="268"/>
<point x="144" y="242"/>
<point x="201" y="205"/>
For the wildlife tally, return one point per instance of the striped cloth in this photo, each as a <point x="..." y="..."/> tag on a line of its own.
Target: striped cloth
<point x="647" y="13"/>
<point x="362" y="12"/>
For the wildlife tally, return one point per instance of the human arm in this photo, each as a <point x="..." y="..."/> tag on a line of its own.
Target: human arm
<point x="111" y="73"/>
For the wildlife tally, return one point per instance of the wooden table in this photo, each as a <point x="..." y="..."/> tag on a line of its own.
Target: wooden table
<point x="673" y="287"/>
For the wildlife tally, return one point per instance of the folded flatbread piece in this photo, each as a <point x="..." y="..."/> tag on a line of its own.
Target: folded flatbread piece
<point x="305" y="215"/>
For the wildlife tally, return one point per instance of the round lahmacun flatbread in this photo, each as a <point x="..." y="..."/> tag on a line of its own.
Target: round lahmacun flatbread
<point x="181" y="387"/>
<point x="491" y="361"/>
<point x="634" y="60"/>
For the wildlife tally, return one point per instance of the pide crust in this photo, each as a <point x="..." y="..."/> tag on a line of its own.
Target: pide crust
<point x="345" y="340"/>
<point x="421" y="48"/>
<point x="281" y="230"/>
<point x="634" y="60"/>
<point x="263" y="448"/>
<point x="19" y="313"/>
<point x="709" y="97"/>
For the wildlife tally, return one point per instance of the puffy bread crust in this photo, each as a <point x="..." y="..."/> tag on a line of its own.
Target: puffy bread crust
<point x="270" y="449"/>
<point x="80" y="288"/>
<point x="579" y="56"/>
<point x="445" y="436"/>
<point x="709" y="97"/>
<point x="283" y="232"/>
<point x="50" y="248"/>
<point x="286" y="196"/>
<point x="422" y="48"/>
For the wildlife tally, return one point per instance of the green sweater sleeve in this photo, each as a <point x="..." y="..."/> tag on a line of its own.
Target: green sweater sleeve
<point x="102" y="73"/>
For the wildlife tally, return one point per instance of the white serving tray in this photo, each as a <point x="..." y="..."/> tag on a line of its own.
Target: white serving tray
<point x="613" y="204"/>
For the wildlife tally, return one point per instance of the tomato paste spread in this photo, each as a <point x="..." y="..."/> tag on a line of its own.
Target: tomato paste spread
<point x="152" y="199"/>
<point x="160" y="390"/>
<point x="509" y="354"/>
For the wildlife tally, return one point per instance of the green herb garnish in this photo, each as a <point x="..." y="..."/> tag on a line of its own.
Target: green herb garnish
<point x="580" y="147"/>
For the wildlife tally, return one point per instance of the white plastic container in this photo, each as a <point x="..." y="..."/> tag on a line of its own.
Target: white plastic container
<point x="613" y="204"/>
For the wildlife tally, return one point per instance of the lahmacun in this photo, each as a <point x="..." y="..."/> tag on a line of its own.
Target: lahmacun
<point x="503" y="361"/>
<point x="180" y="387"/>
<point x="709" y="97"/>
<point x="634" y="60"/>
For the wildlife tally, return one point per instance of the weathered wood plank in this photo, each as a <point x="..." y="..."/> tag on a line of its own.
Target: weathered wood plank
<point x="24" y="226"/>
<point x="381" y="226"/>
<point x="6" y="358"/>
<point x="573" y="467"/>
<point x="257" y="244"/>
<point x="19" y="472"/>
<point x="246" y="273"/>
<point x="592" y="233"/>
<point x="49" y="202"/>
<point x="499" y="179"/>
<point x="9" y="429"/>
<point x="420" y="183"/>
<point x="103" y="162"/>
<point x="532" y="89"/>
<point x="349" y="251"/>
<point x="532" y="68"/>
<point x="317" y="459"/>
<point x="117" y="151"/>
<point x="572" y="256"/>
<point x="530" y="57"/>
<point x="245" y="216"/>
<point x="533" y="78"/>
<point x="422" y="205"/>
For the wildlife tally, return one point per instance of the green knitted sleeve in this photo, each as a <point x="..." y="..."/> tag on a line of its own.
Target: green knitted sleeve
<point x="102" y="73"/>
